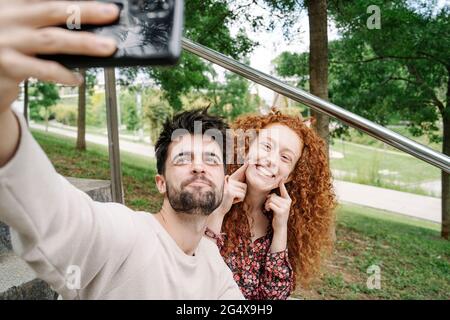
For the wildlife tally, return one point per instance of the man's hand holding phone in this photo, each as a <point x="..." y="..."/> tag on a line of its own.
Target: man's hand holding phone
<point x="28" y="28"/>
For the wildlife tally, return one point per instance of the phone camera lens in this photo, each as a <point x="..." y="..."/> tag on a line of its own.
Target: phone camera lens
<point x="157" y="8"/>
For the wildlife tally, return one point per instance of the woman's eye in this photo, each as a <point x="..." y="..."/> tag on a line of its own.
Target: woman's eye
<point x="286" y="159"/>
<point x="266" y="146"/>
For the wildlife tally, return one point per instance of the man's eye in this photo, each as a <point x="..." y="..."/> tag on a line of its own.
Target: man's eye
<point x="211" y="160"/>
<point x="183" y="160"/>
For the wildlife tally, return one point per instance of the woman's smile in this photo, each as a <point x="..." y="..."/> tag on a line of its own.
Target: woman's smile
<point x="264" y="171"/>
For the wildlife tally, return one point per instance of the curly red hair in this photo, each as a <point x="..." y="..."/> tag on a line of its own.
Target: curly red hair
<point x="313" y="199"/>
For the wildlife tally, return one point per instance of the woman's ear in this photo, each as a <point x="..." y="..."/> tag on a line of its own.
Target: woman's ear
<point x="160" y="183"/>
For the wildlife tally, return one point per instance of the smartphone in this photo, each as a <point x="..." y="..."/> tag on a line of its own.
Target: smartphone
<point x="148" y="32"/>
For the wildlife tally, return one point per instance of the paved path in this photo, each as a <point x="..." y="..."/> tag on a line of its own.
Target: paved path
<point x="125" y="145"/>
<point x="418" y="206"/>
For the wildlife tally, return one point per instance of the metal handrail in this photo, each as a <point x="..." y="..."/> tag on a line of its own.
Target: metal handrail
<point x="394" y="139"/>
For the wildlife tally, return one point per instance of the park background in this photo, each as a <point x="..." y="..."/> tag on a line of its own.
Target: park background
<point x="387" y="61"/>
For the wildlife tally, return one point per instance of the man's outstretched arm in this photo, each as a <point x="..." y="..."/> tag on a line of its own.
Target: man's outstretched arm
<point x="27" y="29"/>
<point x="9" y="133"/>
<point x="56" y="228"/>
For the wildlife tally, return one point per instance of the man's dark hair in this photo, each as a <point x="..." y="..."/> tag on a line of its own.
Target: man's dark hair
<point x="185" y="121"/>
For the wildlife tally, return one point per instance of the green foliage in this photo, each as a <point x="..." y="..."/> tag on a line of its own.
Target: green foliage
<point x="66" y="114"/>
<point x="96" y="110"/>
<point x="156" y="110"/>
<point x="233" y="98"/>
<point x="91" y="81"/>
<point x="398" y="72"/>
<point x="129" y="110"/>
<point x="42" y="96"/>
<point x="289" y="64"/>
<point x="403" y="68"/>
<point x="206" y="22"/>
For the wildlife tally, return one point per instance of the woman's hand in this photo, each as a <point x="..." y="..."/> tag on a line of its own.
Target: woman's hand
<point x="280" y="206"/>
<point x="234" y="189"/>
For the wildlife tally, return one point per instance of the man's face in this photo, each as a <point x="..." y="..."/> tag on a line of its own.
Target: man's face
<point x="194" y="175"/>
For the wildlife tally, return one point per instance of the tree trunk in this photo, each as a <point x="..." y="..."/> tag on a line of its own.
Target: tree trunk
<point x="318" y="61"/>
<point x="25" y="100"/>
<point x="81" y="121"/>
<point x="445" y="229"/>
<point x="318" y="69"/>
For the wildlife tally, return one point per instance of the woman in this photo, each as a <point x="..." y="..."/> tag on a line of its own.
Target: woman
<point x="275" y="220"/>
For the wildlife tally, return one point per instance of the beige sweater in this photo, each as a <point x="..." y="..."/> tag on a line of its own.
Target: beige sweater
<point x="118" y="253"/>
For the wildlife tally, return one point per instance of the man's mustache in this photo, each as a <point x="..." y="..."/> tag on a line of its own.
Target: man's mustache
<point x="197" y="178"/>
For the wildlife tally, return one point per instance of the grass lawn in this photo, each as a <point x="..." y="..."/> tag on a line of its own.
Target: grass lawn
<point x="414" y="262"/>
<point x="365" y="165"/>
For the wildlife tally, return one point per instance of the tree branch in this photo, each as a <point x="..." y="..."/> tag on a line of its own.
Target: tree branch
<point x="412" y="69"/>
<point x="392" y="57"/>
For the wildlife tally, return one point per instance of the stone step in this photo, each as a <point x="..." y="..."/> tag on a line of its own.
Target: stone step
<point x="17" y="280"/>
<point x="98" y="190"/>
<point x="5" y="239"/>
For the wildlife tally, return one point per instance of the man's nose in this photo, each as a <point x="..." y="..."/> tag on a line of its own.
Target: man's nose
<point x="198" y="167"/>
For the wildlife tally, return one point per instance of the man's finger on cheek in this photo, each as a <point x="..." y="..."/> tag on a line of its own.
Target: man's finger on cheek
<point x="53" y="13"/>
<point x="20" y="67"/>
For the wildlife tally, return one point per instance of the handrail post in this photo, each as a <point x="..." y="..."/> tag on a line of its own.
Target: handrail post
<point x="113" y="136"/>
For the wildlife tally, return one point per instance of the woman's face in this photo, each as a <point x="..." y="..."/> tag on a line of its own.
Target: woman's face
<point x="272" y="156"/>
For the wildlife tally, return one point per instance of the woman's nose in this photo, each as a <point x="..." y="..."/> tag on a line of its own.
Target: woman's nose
<point x="270" y="161"/>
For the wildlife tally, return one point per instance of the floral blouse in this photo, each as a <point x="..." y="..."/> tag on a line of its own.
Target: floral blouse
<point x="260" y="274"/>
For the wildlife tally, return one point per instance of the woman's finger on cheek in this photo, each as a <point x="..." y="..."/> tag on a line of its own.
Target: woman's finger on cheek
<point x="267" y="205"/>
<point x="277" y="201"/>
<point x="274" y="207"/>
<point x="242" y="188"/>
<point x="239" y="198"/>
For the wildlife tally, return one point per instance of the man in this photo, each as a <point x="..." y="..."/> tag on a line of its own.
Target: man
<point x="59" y="231"/>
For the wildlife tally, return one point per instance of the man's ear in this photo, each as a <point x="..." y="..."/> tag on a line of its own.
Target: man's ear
<point x="160" y="183"/>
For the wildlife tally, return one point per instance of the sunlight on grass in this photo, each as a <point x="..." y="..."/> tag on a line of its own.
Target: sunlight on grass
<point x="382" y="168"/>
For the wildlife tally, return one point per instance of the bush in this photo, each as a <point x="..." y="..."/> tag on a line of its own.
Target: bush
<point x="66" y="114"/>
<point x="129" y="112"/>
<point x="96" y="110"/>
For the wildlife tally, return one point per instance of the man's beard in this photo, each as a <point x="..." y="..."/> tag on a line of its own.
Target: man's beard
<point x="193" y="202"/>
